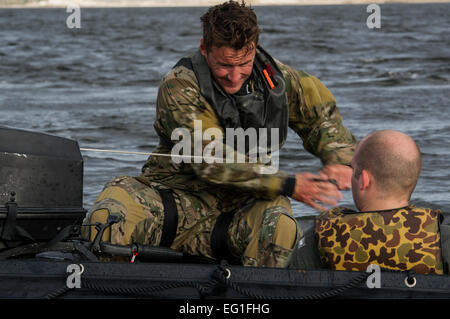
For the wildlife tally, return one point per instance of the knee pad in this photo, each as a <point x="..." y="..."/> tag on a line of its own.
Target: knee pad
<point x="97" y="216"/>
<point x="274" y="235"/>
<point x="279" y="228"/>
<point x="115" y="200"/>
<point x="287" y="232"/>
<point x="99" y="213"/>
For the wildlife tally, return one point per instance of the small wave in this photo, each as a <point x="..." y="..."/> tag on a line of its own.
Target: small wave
<point x="63" y="67"/>
<point x="325" y="48"/>
<point x="147" y="147"/>
<point x="399" y="75"/>
<point x="273" y="30"/>
<point x="438" y="78"/>
<point x="89" y="140"/>
<point x="392" y="78"/>
<point x="114" y="128"/>
<point x="444" y="59"/>
<point x="374" y="60"/>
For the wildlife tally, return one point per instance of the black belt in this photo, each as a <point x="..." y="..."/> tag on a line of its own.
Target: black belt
<point x="169" y="230"/>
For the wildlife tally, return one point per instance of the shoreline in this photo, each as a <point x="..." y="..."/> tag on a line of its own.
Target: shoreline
<point x="197" y="3"/>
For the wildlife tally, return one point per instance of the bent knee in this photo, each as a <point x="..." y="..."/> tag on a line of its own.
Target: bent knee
<point x="99" y="216"/>
<point x="117" y="201"/>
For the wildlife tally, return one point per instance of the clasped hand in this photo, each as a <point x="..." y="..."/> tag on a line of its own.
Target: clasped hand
<point x="316" y="190"/>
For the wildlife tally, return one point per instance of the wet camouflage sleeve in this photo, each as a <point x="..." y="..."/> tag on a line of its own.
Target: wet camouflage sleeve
<point x="314" y="116"/>
<point x="179" y="104"/>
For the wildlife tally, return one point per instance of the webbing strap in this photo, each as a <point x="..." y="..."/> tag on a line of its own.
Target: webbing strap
<point x="169" y="230"/>
<point x="219" y="239"/>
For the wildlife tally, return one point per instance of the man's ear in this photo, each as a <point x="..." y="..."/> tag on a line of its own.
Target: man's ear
<point x="202" y="47"/>
<point x="365" y="180"/>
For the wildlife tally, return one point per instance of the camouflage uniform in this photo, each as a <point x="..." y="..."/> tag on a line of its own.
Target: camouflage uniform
<point x="401" y="239"/>
<point x="203" y="191"/>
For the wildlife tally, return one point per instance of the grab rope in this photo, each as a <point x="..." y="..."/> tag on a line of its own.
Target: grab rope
<point x="221" y="278"/>
<point x="224" y="277"/>
<point x="96" y="285"/>
<point x="57" y="293"/>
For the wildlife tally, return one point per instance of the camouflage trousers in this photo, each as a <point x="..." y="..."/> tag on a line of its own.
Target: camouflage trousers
<point x="261" y="233"/>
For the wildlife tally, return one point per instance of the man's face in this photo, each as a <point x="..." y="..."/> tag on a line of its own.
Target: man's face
<point x="229" y="67"/>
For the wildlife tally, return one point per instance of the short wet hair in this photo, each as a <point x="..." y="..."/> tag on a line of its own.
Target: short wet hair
<point x="230" y="24"/>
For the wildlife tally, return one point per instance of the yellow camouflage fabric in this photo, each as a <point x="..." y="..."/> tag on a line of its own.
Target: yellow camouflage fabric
<point x="401" y="239"/>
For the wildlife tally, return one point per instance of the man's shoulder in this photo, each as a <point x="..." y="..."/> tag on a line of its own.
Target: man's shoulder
<point x="289" y="71"/>
<point x="180" y="75"/>
<point x="179" y="93"/>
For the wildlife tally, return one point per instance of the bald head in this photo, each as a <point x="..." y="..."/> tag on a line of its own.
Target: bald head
<point x="393" y="159"/>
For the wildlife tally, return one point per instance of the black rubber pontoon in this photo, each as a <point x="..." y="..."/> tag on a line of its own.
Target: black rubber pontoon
<point x="48" y="279"/>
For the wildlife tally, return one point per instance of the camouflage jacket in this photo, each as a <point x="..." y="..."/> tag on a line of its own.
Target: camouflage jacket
<point x="401" y="239"/>
<point x="313" y="115"/>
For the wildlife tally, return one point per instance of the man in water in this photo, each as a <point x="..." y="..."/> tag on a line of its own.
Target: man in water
<point x="386" y="230"/>
<point x="221" y="208"/>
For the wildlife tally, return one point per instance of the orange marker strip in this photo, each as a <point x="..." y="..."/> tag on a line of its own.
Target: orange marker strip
<point x="269" y="80"/>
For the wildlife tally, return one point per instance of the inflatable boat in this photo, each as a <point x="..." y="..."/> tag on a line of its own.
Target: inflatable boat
<point x="43" y="256"/>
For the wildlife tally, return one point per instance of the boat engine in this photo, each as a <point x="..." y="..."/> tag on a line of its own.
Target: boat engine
<point x="41" y="186"/>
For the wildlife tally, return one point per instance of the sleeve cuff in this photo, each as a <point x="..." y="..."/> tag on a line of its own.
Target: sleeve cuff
<point x="288" y="186"/>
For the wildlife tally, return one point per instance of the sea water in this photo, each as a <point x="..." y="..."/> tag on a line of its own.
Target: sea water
<point x="98" y="83"/>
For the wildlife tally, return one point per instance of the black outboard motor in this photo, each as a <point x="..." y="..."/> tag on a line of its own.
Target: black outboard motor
<point x="41" y="186"/>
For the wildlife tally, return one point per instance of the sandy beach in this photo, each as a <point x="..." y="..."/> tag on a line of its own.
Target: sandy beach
<point x="186" y="3"/>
